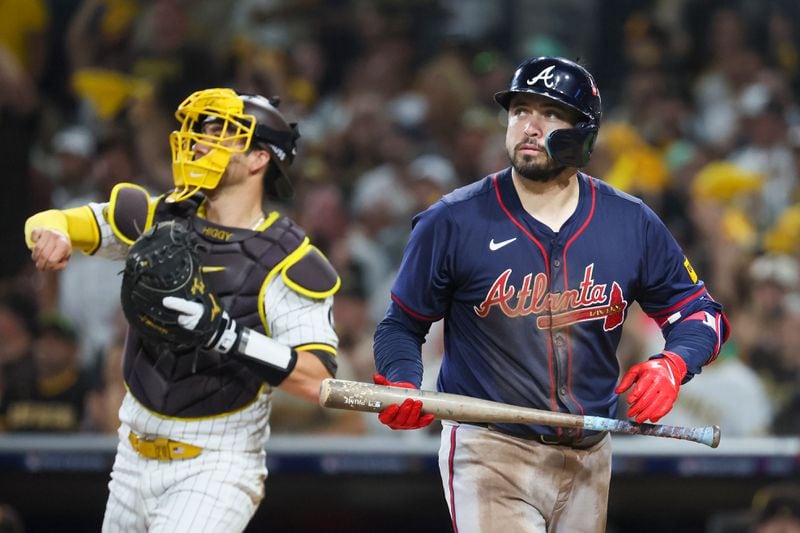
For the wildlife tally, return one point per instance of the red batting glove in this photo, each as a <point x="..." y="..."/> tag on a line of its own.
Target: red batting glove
<point x="656" y="386"/>
<point x="407" y="415"/>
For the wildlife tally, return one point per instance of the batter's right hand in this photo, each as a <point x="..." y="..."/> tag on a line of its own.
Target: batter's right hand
<point x="407" y="415"/>
<point x="51" y="249"/>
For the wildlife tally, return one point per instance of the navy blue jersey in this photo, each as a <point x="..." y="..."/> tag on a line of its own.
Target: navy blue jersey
<point x="533" y="317"/>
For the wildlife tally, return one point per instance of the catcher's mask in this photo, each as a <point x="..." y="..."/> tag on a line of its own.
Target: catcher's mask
<point x="247" y="122"/>
<point x="571" y="85"/>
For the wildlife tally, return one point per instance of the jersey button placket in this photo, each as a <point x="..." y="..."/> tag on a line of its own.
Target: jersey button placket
<point x="558" y="340"/>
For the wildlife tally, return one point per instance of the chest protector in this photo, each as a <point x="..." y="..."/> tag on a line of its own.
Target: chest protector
<point x="237" y="265"/>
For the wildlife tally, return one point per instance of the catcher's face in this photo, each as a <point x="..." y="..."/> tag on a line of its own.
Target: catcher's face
<point x="244" y="161"/>
<point x="213" y="132"/>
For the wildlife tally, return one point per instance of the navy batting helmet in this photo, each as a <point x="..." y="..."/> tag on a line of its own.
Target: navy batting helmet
<point x="570" y="84"/>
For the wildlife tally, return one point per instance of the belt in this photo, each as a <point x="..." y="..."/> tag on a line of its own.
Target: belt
<point x="163" y="449"/>
<point x="552" y="440"/>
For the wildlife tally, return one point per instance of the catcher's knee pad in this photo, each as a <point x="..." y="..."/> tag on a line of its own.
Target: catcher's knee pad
<point x="130" y="211"/>
<point x="312" y="275"/>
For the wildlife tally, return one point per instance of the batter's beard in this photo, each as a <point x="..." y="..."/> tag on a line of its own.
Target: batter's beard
<point x="539" y="172"/>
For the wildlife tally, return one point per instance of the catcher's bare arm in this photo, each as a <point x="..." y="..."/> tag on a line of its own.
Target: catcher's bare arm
<point x="356" y="396"/>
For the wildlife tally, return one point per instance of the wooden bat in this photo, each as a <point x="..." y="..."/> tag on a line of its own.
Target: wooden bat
<point x="357" y="396"/>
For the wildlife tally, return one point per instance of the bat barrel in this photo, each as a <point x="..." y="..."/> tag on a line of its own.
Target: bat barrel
<point x="708" y="435"/>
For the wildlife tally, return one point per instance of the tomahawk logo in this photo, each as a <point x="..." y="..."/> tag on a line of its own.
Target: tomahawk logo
<point x="545" y="76"/>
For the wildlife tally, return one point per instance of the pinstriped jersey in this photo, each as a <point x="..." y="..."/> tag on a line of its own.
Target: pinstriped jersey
<point x="532" y="316"/>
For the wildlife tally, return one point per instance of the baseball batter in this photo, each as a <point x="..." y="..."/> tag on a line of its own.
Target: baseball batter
<point x="194" y="422"/>
<point x="533" y="270"/>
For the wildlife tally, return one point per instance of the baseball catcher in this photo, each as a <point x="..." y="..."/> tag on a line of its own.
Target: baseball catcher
<point x="225" y="302"/>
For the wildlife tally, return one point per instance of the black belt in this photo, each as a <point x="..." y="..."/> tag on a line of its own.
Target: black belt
<point x="554" y="440"/>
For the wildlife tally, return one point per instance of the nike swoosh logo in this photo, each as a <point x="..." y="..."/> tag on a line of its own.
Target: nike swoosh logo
<point x="196" y="174"/>
<point x="208" y="269"/>
<point x="497" y="245"/>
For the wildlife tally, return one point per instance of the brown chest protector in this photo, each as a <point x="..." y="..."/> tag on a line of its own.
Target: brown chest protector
<point x="236" y="266"/>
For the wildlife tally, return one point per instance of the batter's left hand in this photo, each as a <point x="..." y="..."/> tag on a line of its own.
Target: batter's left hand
<point x="657" y="382"/>
<point x="407" y="415"/>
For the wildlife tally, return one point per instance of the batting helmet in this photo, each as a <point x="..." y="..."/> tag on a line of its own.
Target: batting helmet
<point x="570" y="84"/>
<point x="248" y="121"/>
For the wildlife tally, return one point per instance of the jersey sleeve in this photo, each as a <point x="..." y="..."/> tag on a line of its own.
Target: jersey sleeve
<point x="420" y="296"/>
<point x="111" y="247"/>
<point x="692" y="322"/>
<point x="87" y="228"/>
<point x="424" y="281"/>
<point x="302" y="322"/>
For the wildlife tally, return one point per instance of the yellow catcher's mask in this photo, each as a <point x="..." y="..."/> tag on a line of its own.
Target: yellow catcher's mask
<point x="192" y="172"/>
<point x="244" y="120"/>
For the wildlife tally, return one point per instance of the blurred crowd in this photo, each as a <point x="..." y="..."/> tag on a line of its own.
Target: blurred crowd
<point x="394" y="101"/>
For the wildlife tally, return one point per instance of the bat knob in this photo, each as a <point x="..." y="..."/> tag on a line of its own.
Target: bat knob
<point x="324" y="391"/>
<point x="716" y="437"/>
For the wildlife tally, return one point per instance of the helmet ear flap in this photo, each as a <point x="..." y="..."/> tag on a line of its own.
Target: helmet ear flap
<point x="572" y="147"/>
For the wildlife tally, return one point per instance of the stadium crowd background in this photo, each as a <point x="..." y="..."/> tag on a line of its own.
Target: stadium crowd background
<point x="394" y="101"/>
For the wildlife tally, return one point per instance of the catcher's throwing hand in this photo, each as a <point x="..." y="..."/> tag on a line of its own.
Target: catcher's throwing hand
<point x="51" y="250"/>
<point x="655" y="386"/>
<point x="407" y="415"/>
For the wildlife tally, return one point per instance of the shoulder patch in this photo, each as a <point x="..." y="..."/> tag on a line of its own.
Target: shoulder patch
<point x="312" y="275"/>
<point x="130" y="211"/>
<point x="688" y="266"/>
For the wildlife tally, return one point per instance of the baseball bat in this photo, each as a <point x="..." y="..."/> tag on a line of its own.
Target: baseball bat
<point x="357" y="396"/>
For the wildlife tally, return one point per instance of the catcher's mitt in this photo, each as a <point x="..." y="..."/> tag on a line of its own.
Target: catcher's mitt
<point x="164" y="262"/>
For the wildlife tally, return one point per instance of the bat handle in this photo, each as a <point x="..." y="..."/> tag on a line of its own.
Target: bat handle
<point x="708" y="435"/>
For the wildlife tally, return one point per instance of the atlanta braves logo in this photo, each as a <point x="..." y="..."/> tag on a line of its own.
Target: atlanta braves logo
<point x="546" y="76"/>
<point x="589" y="301"/>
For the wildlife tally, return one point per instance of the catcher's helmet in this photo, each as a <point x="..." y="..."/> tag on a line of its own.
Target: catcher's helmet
<point x="570" y="84"/>
<point x="249" y="118"/>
